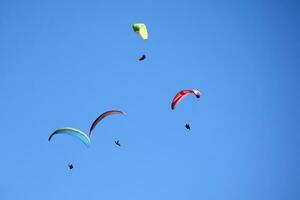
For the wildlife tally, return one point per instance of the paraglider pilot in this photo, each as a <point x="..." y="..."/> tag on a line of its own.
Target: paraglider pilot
<point x="118" y="143"/>
<point x="187" y="126"/>
<point x="70" y="166"/>
<point x="142" y="58"/>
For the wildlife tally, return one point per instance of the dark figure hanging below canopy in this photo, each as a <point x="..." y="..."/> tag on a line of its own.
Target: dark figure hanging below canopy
<point x="71" y="166"/>
<point x="187" y="126"/>
<point x="142" y="58"/>
<point x="118" y="143"/>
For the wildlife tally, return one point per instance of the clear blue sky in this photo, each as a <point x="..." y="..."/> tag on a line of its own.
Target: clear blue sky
<point x="62" y="63"/>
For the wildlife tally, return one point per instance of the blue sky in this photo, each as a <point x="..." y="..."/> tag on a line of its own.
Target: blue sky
<point x="62" y="63"/>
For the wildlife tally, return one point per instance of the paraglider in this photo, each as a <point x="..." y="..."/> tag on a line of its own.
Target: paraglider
<point x="102" y="116"/>
<point x="187" y="126"/>
<point x="72" y="132"/>
<point x="141" y="29"/>
<point x="142" y="58"/>
<point x="183" y="93"/>
<point x="118" y="143"/>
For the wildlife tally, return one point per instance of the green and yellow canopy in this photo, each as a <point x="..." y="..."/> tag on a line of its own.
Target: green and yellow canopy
<point x="141" y="29"/>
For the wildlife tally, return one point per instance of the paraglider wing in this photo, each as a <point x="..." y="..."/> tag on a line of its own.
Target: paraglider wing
<point x="141" y="29"/>
<point x="183" y="93"/>
<point x="102" y="116"/>
<point x="72" y="132"/>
